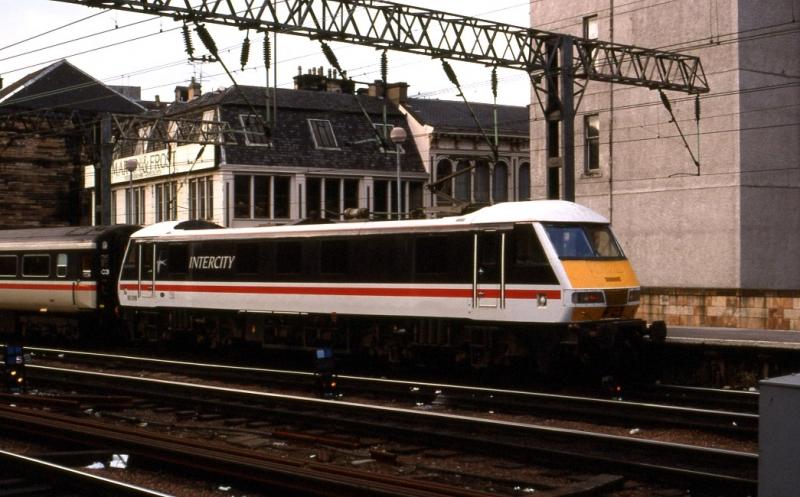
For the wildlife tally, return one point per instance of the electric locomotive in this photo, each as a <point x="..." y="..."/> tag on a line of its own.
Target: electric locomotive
<point x="60" y="281"/>
<point x="513" y="281"/>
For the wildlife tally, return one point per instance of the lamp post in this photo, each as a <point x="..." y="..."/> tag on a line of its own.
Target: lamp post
<point x="398" y="135"/>
<point x="130" y="166"/>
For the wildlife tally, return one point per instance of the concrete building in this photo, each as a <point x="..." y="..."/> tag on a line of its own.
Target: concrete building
<point x="718" y="244"/>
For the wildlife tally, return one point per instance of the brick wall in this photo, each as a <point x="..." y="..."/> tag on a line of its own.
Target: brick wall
<point x="731" y="308"/>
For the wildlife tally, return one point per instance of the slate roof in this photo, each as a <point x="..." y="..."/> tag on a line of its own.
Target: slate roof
<point x="62" y="86"/>
<point x="453" y="116"/>
<point x="293" y="145"/>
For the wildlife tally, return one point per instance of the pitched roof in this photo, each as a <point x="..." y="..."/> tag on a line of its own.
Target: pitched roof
<point x="292" y="142"/>
<point x="454" y="116"/>
<point x="286" y="99"/>
<point x="62" y="86"/>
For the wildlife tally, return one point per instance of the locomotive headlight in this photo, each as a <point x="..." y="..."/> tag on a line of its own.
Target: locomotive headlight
<point x="588" y="298"/>
<point x="541" y="300"/>
<point x="634" y="295"/>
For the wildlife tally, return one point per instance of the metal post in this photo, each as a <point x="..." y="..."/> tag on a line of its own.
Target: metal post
<point x="399" y="190"/>
<point x="398" y="136"/>
<point x="567" y="121"/>
<point x="106" y="156"/>
<point x="130" y="165"/>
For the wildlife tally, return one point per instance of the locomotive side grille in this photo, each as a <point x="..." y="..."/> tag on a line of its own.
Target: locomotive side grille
<point x="617" y="297"/>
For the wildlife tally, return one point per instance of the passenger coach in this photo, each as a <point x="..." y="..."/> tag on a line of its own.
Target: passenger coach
<point x="505" y="282"/>
<point x="54" y="280"/>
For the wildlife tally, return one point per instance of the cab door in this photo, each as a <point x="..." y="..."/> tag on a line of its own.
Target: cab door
<point x="488" y="281"/>
<point x="147" y="274"/>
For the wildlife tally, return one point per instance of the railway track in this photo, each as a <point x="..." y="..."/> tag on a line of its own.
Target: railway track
<point x="705" y="467"/>
<point x="474" y="398"/>
<point x="22" y="475"/>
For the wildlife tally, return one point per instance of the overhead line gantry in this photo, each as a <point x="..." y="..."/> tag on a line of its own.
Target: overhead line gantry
<point x="558" y="61"/>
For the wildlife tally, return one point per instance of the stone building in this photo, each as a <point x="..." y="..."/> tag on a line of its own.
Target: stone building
<point x="47" y="120"/>
<point x="714" y="245"/>
<point x="450" y="141"/>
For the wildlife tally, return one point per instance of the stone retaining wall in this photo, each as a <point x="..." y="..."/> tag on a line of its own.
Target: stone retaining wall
<point x="730" y="308"/>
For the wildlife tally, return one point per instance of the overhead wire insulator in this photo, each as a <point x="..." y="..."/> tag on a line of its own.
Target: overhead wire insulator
<point x="665" y="100"/>
<point x="187" y="41"/>
<point x="245" y="55"/>
<point x="697" y="107"/>
<point x="451" y="75"/>
<point x="332" y="60"/>
<point x="384" y="67"/>
<point x="207" y="40"/>
<point x="267" y="51"/>
<point x="494" y="82"/>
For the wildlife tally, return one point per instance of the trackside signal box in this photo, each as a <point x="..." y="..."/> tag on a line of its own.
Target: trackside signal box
<point x="14" y="369"/>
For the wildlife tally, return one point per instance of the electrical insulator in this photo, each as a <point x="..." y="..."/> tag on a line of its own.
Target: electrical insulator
<point x="384" y="67"/>
<point x="451" y="75"/>
<point x="267" y="51"/>
<point x="187" y="41"/>
<point x="494" y="82"/>
<point x="332" y="60"/>
<point x="245" y="51"/>
<point x="697" y="107"/>
<point x="207" y="40"/>
<point x="665" y="100"/>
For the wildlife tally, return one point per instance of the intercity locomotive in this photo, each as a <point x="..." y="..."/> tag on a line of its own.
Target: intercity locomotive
<point x="507" y="282"/>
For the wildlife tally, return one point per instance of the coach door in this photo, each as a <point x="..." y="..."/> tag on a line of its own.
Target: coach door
<point x="147" y="255"/>
<point x="488" y="277"/>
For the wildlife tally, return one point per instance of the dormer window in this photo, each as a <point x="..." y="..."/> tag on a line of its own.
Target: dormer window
<point x="322" y="133"/>
<point x="254" y="132"/>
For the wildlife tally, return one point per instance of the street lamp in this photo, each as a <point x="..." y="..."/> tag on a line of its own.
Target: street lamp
<point x="398" y="135"/>
<point x="130" y="166"/>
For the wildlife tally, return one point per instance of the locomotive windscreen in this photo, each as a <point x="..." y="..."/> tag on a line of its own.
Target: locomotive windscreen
<point x="584" y="241"/>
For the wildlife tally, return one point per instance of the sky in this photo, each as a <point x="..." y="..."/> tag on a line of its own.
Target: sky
<point x="121" y="48"/>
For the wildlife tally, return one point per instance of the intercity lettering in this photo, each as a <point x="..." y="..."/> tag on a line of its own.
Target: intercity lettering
<point x="212" y="262"/>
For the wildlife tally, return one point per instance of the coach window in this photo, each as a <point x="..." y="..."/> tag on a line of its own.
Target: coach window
<point x="36" y="265"/>
<point x="61" y="266"/>
<point x="86" y="266"/>
<point x="8" y="265"/>
<point x="527" y="260"/>
<point x="178" y="258"/>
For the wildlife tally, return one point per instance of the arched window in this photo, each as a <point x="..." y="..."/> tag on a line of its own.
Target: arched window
<point x="463" y="182"/>
<point x="524" y="182"/>
<point x="500" y="183"/>
<point x="444" y="168"/>
<point x="482" y="182"/>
